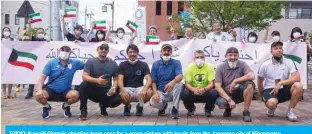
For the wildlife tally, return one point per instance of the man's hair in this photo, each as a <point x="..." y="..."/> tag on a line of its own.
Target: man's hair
<point x="79" y="27"/>
<point x="133" y="47"/>
<point x="198" y="52"/>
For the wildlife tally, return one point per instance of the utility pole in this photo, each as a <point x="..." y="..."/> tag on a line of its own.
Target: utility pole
<point x="90" y="16"/>
<point x="113" y="8"/>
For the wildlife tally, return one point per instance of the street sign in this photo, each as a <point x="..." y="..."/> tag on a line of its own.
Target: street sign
<point x="25" y="10"/>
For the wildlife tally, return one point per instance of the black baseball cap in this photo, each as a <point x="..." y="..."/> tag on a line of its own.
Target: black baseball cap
<point x="231" y="50"/>
<point x="166" y="45"/>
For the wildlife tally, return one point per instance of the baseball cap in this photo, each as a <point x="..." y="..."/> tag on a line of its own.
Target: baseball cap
<point x="231" y="50"/>
<point x="274" y="44"/>
<point x="166" y="45"/>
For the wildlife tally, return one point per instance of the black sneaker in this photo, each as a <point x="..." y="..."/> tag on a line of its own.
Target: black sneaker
<point x="163" y="112"/>
<point x="66" y="110"/>
<point x="208" y="113"/>
<point x="103" y="110"/>
<point x="174" y="113"/>
<point x="246" y="116"/>
<point x="191" y="113"/>
<point x="127" y="110"/>
<point x="139" y="110"/>
<point x="46" y="112"/>
<point x="227" y="112"/>
<point x="84" y="115"/>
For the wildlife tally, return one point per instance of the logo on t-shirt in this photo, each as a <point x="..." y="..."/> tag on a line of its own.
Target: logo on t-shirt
<point x="199" y="77"/>
<point x="138" y="72"/>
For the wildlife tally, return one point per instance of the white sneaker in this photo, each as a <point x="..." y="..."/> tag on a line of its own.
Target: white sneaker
<point x="271" y="112"/>
<point x="291" y="115"/>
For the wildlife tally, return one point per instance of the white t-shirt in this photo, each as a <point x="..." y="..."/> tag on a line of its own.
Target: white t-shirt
<point x="272" y="71"/>
<point x="125" y="40"/>
<point x="223" y="36"/>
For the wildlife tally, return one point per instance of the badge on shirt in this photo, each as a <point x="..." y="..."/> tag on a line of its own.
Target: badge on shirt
<point x="69" y="66"/>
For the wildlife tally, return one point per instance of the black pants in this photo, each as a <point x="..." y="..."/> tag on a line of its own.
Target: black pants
<point x="97" y="94"/>
<point x="208" y="98"/>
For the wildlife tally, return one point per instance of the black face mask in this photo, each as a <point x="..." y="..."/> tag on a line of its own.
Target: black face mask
<point x="277" y="58"/>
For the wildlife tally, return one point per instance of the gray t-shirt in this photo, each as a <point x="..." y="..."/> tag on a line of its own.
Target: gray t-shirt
<point x="96" y="68"/>
<point x="225" y="75"/>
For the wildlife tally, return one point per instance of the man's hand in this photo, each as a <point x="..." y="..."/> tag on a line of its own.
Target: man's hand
<point x="142" y="94"/>
<point x="233" y="84"/>
<point x="112" y="91"/>
<point x="169" y="87"/>
<point x="126" y="96"/>
<point x="101" y="81"/>
<point x="77" y="41"/>
<point x="232" y="104"/>
<point x="155" y="98"/>
<point x="40" y="93"/>
<point x="276" y="88"/>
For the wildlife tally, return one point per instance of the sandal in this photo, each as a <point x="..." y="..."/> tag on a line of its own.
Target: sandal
<point x="4" y="97"/>
<point x="10" y="97"/>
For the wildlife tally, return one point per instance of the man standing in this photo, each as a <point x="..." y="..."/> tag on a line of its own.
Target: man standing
<point x="234" y="83"/>
<point x="199" y="84"/>
<point x="131" y="74"/>
<point x="281" y="82"/>
<point x="218" y="35"/>
<point x="58" y="88"/>
<point x="166" y="86"/>
<point x="187" y="35"/>
<point x="97" y="82"/>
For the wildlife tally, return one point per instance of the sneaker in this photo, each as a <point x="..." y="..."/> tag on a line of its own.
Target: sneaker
<point x="227" y="112"/>
<point x="103" y="110"/>
<point x="174" y="113"/>
<point x="163" y="112"/>
<point x="191" y="113"/>
<point x="29" y="95"/>
<point x="246" y="116"/>
<point x="84" y="115"/>
<point x="139" y="110"/>
<point x="66" y="110"/>
<point x="207" y="113"/>
<point x="46" y="112"/>
<point x="271" y="112"/>
<point x="291" y="115"/>
<point x="127" y="110"/>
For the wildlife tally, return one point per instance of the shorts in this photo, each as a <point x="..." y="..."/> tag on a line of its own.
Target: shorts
<point x="54" y="96"/>
<point x="283" y="94"/>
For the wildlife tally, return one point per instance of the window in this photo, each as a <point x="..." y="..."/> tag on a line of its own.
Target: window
<point x="7" y="19"/>
<point x="158" y="7"/>
<point x="169" y="7"/>
<point x="16" y="20"/>
<point x="299" y="13"/>
<point x="180" y="7"/>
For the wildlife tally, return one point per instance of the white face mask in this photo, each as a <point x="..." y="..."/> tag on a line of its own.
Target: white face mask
<point x="133" y="62"/>
<point x="40" y="36"/>
<point x="232" y="64"/>
<point x="252" y="39"/>
<point x="276" y="38"/>
<point x="296" y="35"/>
<point x="6" y="34"/>
<point x="120" y="35"/>
<point x="199" y="62"/>
<point x="100" y="36"/>
<point x="64" y="55"/>
<point x="166" y="58"/>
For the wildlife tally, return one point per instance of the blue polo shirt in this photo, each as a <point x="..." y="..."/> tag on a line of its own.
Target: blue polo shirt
<point x="162" y="74"/>
<point x="64" y="82"/>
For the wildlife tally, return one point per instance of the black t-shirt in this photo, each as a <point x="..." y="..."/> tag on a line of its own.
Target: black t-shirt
<point x="133" y="73"/>
<point x="71" y="37"/>
<point x="95" y="40"/>
<point x="33" y="38"/>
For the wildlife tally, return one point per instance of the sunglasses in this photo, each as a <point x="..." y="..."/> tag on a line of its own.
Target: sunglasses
<point x="103" y="48"/>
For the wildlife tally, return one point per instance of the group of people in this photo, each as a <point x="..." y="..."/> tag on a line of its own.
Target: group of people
<point x="110" y="84"/>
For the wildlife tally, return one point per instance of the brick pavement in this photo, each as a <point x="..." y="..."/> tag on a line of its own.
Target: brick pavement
<point x="19" y="111"/>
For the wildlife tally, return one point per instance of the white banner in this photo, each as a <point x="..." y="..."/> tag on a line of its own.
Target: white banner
<point x="183" y="50"/>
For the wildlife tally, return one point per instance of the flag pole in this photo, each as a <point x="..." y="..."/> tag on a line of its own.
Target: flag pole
<point x="6" y="64"/>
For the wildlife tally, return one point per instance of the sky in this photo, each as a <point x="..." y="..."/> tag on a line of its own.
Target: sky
<point x="124" y="11"/>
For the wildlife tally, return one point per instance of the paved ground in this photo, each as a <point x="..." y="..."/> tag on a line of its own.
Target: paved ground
<point x="19" y="111"/>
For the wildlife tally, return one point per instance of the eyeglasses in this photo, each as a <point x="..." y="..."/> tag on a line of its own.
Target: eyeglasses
<point x="65" y="49"/>
<point x="103" y="48"/>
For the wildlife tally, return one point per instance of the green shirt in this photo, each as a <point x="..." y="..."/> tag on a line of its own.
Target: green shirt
<point x="200" y="77"/>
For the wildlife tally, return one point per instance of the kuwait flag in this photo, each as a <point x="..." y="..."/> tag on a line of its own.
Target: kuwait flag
<point x="152" y="40"/>
<point x="23" y="59"/>
<point x="35" y="17"/>
<point x="70" y="12"/>
<point x="101" y="24"/>
<point x="132" y="26"/>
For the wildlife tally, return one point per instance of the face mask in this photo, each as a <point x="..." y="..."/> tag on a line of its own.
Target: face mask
<point x="120" y="35"/>
<point x="6" y="34"/>
<point x="100" y="36"/>
<point x="166" y="58"/>
<point x="232" y="64"/>
<point x="40" y="36"/>
<point x="77" y="32"/>
<point x="133" y="62"/>
<point x="276" y="38"/>
<point x="64" y="55"/>
<point x="199" y="62"/>
<point x="252" y="39"/>
<point x="296" y="35"/>
<point x="277" y="58"/>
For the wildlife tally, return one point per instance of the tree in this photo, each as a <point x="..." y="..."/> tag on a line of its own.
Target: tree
<point x="246" y="14"/>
